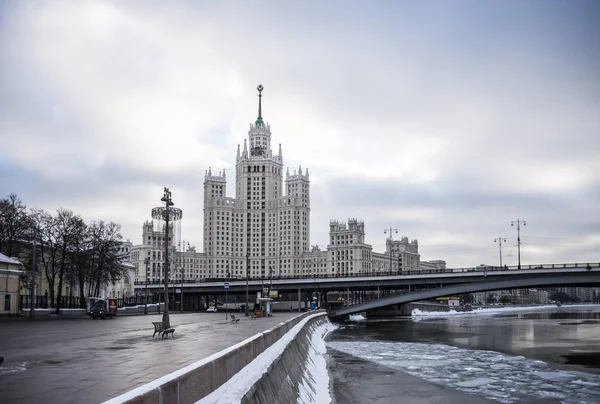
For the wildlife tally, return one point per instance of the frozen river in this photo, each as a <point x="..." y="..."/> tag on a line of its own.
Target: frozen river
<point x="536" y="355"/>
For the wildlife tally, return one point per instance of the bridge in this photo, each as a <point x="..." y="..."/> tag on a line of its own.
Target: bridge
<point x="573" y="276"/>
<point x="414" y="286"/>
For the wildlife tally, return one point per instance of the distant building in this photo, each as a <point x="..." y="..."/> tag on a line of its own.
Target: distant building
<point x="10" y="284"/>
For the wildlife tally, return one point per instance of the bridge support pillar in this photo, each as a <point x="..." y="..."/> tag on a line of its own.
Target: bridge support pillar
<point x="299" y="299"/>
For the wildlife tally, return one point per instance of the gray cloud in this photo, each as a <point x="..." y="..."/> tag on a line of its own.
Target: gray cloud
<point x="445" y="120"/>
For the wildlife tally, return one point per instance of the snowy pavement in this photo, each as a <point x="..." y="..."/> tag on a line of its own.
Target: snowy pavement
<point x="85" y="360"/>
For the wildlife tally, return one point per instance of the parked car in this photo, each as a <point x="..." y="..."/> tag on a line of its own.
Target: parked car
<point x="211" y="309"/>
<point x="100" y="309"/>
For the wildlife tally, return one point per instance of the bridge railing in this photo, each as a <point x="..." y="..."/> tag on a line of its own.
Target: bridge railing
<point x="483" y="269"/>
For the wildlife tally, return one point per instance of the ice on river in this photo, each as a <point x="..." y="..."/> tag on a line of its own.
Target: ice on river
<point x="493" y="375"/>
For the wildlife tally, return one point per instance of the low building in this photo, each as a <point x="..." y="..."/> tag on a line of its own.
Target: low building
<point x="10" y="284"/>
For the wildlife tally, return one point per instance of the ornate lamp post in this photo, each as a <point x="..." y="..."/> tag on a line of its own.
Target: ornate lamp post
<point x="391" y="231"/>
<point x="168" y="203"/>
<point x="518" y="223"/>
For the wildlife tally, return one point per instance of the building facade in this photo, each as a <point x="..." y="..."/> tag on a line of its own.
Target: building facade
<point x="264" y="231"/>
<point x="11" y="271"/>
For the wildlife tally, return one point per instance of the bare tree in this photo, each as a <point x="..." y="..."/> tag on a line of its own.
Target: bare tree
<point x="49" y="250"/>
<point x="14" y="226"/>
<point x="67" y="225"/>
<point x="80" y="259"/>
<point x="107" y="267"/>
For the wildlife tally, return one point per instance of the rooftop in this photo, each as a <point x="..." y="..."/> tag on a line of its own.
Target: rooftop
<point x="8" y="260"/>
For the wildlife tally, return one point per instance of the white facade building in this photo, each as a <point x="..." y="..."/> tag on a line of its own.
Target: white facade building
<point x="265" y="229"/>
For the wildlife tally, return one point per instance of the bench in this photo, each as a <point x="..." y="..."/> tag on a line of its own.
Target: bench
<point x="161" y="329"/>
<point x="233" y="319"/>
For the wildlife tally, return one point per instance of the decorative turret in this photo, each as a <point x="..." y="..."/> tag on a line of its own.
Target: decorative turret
<point x="260" y="134"/>
<point x="220" y="177"/>
<point x="298" y="175"/>
<point x="237" y="157"/>
<point x="259" y="120"/>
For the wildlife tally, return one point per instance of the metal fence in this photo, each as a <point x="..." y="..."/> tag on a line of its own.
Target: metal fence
<point x="73" y="302"/>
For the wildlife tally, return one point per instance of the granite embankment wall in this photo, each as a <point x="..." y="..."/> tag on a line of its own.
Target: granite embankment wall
<point x="280" y="383"/>
<point x="199" y="379"/>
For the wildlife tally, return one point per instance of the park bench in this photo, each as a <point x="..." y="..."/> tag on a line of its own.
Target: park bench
<point x="233" y="319"/>
<point x="161" y="329"/>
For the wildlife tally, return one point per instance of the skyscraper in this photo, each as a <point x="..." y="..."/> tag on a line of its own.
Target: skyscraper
<point x="266" y="227"/>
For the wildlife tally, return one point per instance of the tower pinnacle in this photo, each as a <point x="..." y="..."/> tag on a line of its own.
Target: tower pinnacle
<point x="259" y="120"/>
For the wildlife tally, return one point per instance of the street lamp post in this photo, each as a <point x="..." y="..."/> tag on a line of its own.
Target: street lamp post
<point x="247" y="265"/>
<point x="500" y="240"/>
<point x="518" y="223"/>
<point x="181" y="297"/>
<point x="33" y="275"/>
<point x="270" y="279"/>
<point x="168" y="203"/>
<point x="391" y="231"/>
<point x="226" y="300"/>
<point x="147" y="262"/>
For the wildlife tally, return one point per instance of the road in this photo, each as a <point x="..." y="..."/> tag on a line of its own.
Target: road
<point x="85" y="360"/>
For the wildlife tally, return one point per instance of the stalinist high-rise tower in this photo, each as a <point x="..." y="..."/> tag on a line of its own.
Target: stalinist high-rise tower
<point x="266" y="226"/>
<point x="265" y="230"/>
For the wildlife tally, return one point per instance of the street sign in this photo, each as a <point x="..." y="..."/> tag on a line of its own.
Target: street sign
<point x="226" y="286"/>
<point x="265" y="290"/>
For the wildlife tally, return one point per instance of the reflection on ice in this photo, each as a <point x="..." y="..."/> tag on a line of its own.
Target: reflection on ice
<point x="499" y="377"/>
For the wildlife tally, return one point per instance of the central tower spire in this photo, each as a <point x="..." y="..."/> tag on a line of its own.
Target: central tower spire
<point x="259" y="121"/>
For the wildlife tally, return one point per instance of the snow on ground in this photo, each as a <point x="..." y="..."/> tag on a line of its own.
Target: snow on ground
<point x="487" y="310"/>
<point x="13" y="369"/>
<point x="314" y="387"/>
<point x="492" y="375"/>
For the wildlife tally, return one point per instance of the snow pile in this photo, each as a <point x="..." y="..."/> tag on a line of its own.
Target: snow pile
<point x="235" y="388"/>
<point x="487" y="310"/>
<point x="357" y="317"/>
<point x="314" y="387"/>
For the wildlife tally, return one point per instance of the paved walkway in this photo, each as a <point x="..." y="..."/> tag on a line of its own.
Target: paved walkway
<point x="85" y="360"/>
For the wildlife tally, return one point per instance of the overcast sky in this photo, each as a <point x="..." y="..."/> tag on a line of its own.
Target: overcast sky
<point x="445" y="120"/>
